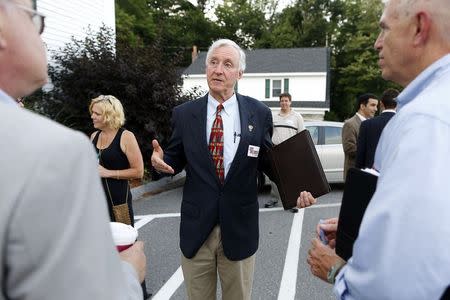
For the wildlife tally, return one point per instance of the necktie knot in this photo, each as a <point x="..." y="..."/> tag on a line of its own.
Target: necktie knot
<point x="219" y="109"/>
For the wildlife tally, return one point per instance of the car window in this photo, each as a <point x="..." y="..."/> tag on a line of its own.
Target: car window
<point x="314" y="132"/>
<point x="333" y="135"/>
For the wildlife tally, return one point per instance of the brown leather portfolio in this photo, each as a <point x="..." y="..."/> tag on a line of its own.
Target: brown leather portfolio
<point x="296" y="167"/>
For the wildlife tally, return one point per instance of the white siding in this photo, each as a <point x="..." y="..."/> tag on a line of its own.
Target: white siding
<point x="308" y="88"/>
<point x="302" y="87"/>
<point x="65" y="19"/>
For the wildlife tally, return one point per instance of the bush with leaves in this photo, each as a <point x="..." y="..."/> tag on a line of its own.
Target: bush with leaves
<point x="140" y="77"/>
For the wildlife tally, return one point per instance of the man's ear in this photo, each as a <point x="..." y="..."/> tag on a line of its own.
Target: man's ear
<point x="422" y="23"/>
<point x="240" y="74"/>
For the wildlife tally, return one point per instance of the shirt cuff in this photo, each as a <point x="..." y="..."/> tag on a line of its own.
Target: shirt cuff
<point x="340" y="286"/>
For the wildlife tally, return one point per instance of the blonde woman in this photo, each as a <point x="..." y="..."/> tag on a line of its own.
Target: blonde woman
<point x="119" y="156"/>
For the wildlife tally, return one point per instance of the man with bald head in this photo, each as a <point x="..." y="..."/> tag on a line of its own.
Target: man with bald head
<point x="55" y="239"/>
<point x="402" y="248"/>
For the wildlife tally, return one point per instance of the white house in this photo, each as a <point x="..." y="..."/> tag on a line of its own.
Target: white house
<point x="303" y="72"/>
<point x="65" y="19"/>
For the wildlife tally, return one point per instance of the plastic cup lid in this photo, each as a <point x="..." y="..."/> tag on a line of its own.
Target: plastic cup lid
<point x="123" y="234"/>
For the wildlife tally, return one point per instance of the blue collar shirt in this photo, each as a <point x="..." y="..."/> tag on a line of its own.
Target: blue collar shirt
<point x="403" y="246"/>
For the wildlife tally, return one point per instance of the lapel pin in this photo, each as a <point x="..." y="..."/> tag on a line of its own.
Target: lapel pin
<point x="250" y="128"/>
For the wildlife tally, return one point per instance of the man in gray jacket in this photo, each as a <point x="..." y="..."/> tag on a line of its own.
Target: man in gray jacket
<point x="55" y="240"/>
<point x="367" y="107"/>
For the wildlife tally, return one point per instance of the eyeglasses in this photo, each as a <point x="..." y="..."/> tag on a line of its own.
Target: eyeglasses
<point x="36" y="17"/>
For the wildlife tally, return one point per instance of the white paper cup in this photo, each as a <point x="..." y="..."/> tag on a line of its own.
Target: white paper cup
<point x="123" y="235"/>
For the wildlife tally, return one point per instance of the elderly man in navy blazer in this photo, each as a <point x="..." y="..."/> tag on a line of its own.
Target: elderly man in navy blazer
<point x="221" y="140"/>
<point x="370" y="130"/>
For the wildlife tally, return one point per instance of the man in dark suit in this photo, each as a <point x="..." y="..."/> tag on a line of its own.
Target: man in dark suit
<point x="370" y="130"/>
<point x="221" y="139"/>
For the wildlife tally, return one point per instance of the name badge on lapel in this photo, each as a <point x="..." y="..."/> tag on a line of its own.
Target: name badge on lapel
<point x="253" y="151"/>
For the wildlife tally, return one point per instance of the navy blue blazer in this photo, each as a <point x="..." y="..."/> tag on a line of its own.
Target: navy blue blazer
<point x="369" y="135"/>
<point x="206" y="202"/>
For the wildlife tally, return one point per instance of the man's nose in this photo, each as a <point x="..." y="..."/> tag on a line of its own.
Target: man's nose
<point x="219" y="68"/>
<point x="378" y="42"/>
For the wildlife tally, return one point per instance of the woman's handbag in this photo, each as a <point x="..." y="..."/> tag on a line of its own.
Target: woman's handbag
<point x="121" y="212"/>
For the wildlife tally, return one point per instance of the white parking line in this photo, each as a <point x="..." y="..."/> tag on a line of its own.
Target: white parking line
<point x="170" y="287"/>
<point x="325" y="205"/>
<point x="143" y="220"/>
<point x="288" y="284"/>
<point x="166" y="215"/>
<point x="173" y="215"/>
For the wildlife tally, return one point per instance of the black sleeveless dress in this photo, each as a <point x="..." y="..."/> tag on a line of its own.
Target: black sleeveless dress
<point x="112" y="158"/>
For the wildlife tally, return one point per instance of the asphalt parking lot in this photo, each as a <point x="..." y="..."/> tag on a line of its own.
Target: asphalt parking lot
<point x="281" y="271"/>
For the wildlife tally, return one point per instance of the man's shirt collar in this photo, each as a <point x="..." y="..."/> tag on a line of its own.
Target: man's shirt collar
<point x="228" y="105"/>
<point x="422" y="81"/>
<point x="361" y="117"/>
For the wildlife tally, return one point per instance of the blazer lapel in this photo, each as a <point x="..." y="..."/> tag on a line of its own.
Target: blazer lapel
<point x="247" y="131"/>
<point x="199" y="135"/>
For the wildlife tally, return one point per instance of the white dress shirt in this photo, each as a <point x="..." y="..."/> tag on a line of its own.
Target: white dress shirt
<point x="231" y="127"/>
<point x="361" y="117"/>
<point x="402" y="250"/>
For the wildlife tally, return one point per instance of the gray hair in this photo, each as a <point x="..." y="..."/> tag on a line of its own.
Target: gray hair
<point x="436" y="8"/>
<point x="223" y="43"/>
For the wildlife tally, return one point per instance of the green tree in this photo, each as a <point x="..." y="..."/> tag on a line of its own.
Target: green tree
<point x="242" y="21"/>
<point x="305" y="24"/>
<point x="134" y="23"/>
<point x="355" y="70"/>
<point x="187" y="27"/>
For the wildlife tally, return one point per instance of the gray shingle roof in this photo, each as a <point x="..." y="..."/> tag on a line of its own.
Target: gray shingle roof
<point x="276" y="61"/>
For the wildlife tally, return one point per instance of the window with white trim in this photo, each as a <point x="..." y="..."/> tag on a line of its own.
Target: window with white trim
<point x="274" y="87"/>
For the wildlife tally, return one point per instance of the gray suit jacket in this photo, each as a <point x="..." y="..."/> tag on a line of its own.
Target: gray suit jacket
<point x="55" y="240"/>
<point x="350" y="133"/>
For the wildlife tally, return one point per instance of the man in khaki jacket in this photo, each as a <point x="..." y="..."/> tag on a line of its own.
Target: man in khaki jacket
<point x="367" y="107"/>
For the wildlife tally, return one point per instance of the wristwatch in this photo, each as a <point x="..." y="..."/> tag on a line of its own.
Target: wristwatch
<point x="331" y="275"/>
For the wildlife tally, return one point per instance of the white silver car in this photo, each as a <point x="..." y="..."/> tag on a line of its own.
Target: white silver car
<point x="328" y="140"/>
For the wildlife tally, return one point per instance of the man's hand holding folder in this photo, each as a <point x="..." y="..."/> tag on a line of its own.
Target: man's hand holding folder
<point x="305" y="199"/>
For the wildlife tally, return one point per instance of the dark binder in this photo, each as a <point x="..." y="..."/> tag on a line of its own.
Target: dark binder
<point x="296" y="167"/>
<point x="358" y="191"/>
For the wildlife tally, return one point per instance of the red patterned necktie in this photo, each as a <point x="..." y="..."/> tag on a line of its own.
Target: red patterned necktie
<point x="216" y="143"/>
